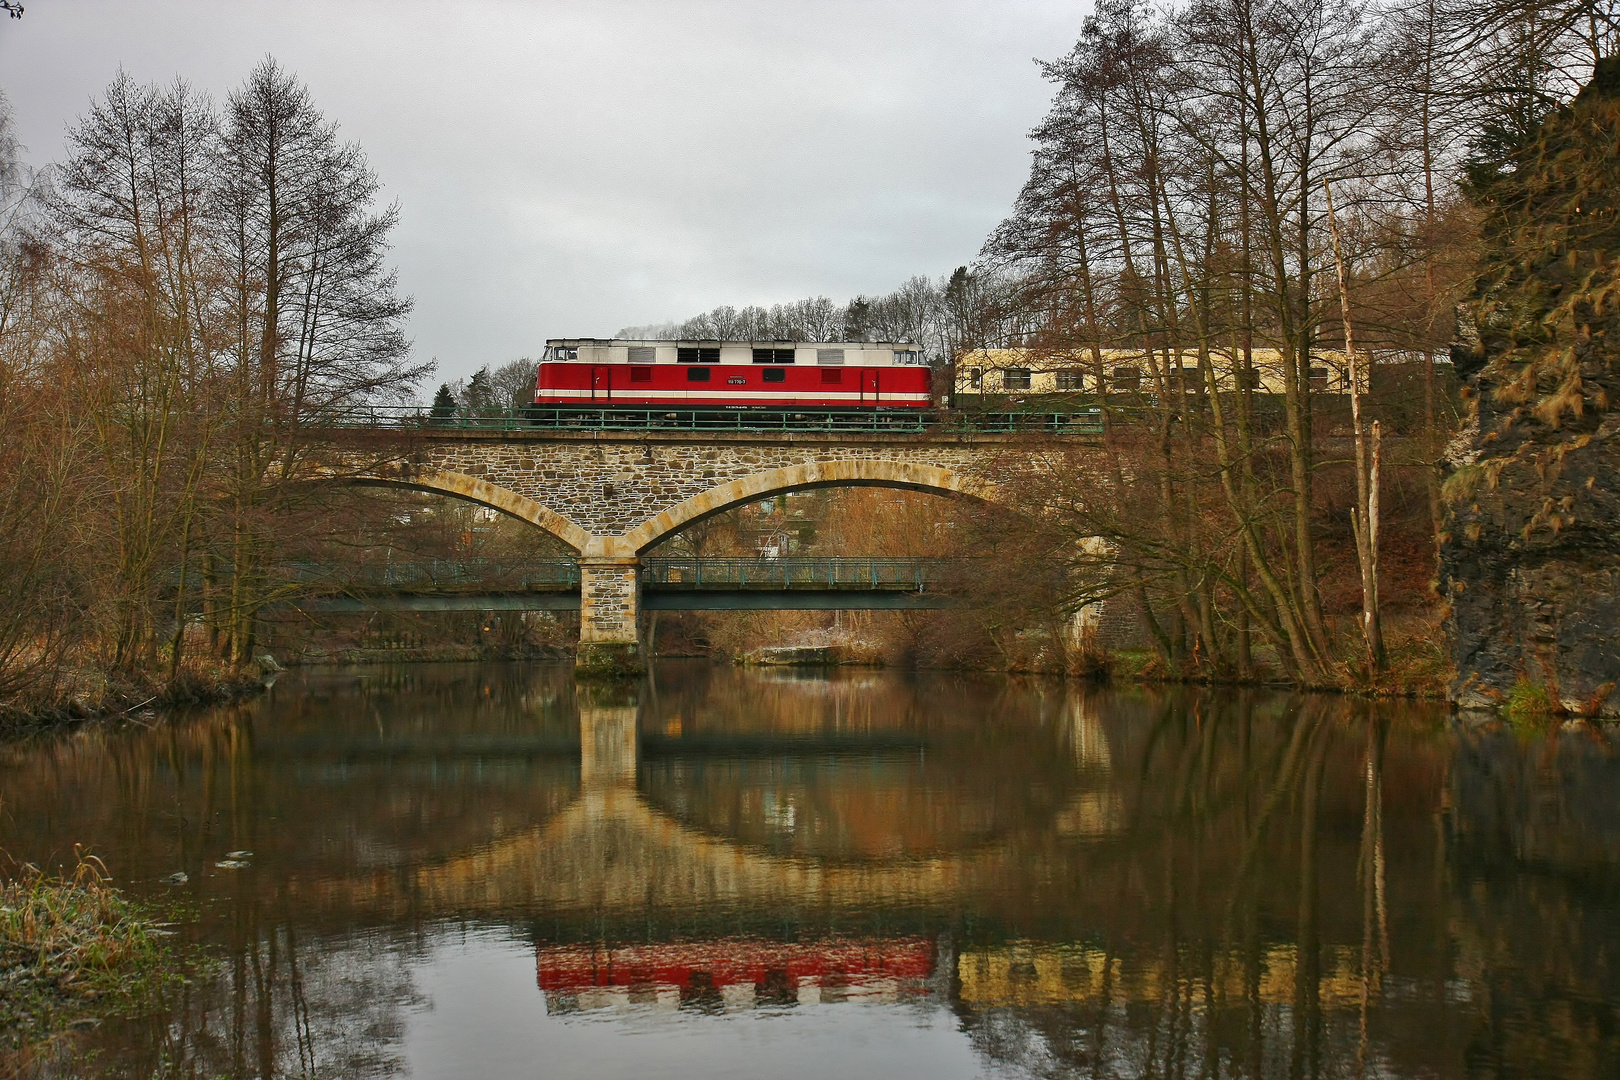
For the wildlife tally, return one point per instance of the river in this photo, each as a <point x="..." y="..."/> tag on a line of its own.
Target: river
<point x="484" y="870"/>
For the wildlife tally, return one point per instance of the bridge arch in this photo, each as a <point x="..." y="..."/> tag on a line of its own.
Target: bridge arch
<point x="472" y="489"/>
<point x="852" y="472"/>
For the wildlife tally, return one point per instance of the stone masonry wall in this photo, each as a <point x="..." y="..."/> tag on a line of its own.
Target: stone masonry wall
<point x="609" y="601"/>
<point x="609" y="488"/>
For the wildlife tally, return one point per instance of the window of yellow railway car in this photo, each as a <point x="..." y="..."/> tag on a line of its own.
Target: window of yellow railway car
<point x="975" y="377"/>
<point x="1070" y="379"/>
<point x="1127" y="378"/>
<point x="1015" y="378"/>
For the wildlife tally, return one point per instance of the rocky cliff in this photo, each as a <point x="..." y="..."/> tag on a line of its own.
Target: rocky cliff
<point x="1530" y="556"/>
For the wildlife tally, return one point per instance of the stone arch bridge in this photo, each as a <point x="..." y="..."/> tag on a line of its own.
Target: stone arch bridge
<point x="612" y="495"/>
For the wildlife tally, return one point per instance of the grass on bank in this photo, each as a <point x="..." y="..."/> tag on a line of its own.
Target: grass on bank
<point x="73" y="949"/>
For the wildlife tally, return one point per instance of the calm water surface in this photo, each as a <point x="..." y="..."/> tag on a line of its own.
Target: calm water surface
<point x="467" y="870"/>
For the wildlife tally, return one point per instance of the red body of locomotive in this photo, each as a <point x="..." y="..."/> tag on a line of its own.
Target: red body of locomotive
<point x="835" y="376"/>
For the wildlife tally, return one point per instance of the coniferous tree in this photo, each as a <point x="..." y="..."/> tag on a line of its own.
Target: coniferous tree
<point x="444" y="403"/>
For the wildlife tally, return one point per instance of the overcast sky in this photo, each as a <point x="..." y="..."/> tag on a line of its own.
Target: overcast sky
<point x="566" y="169"/>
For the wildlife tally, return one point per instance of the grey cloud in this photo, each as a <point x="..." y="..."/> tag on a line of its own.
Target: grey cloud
<point x="567" y="169"/>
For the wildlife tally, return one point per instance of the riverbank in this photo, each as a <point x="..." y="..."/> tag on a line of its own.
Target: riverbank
<point x="79" y="695"/>
<point x="72" y="951"/>
<point x="428" y="654"/>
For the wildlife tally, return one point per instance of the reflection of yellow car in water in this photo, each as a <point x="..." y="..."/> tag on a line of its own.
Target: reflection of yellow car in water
<point x="1041" y="973"/>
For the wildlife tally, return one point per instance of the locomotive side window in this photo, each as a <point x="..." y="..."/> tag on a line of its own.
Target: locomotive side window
<point x="563" y="352"/>
<point x="829" y="356"/>
<point x="697" y="374"/>
<point x="773" y="356"/>
<point x="641" y="374"/>
<point x="905" y="356"/>
<point x="643" y="354"/>
<point x="831" y="377"/>
<point x="775" y="375"/>
<point x="698" y="355"/>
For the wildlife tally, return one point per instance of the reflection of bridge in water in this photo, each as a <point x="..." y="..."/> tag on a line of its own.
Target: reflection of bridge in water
<point x="611" y="852"/>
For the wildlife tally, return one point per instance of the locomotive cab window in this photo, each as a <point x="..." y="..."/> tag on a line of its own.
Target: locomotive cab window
<point x="697" y="374"/>
<point x="774" y="375"/>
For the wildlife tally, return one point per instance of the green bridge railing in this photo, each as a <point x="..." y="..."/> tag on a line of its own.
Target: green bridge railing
<point x="801" y="572"/>
<point x="1086" y="421"/>
<point x="497" y="575"/>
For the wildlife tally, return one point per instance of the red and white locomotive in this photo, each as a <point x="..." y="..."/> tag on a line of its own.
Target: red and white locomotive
<point x="834" y="376"/>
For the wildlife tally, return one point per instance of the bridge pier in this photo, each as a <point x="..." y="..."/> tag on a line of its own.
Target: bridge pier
<point x="609" y="617"/>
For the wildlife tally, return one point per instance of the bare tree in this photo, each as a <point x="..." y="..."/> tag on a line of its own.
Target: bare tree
<point x="317" y="322"/>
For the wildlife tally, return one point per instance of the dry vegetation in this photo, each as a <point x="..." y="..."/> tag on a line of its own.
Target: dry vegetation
<point x="183" y="301"/>
<point x="71" y="949"/>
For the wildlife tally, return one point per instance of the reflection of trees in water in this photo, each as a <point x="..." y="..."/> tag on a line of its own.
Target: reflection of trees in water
<point x="986" y="761"/>
<point x="1292" y="897"/>
<point x="279" y="1004"/>
<point x="1535" y="858"/>
<point x="332" y="773"/>
<point x="1234" y="924"/>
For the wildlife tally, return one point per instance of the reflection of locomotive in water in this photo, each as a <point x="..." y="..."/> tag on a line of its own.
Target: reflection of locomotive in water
<point x="593" y="374"/>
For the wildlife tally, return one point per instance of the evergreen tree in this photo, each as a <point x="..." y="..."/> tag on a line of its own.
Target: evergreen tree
<point x="478" y="397"/>
<point x="444" y="403"/>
